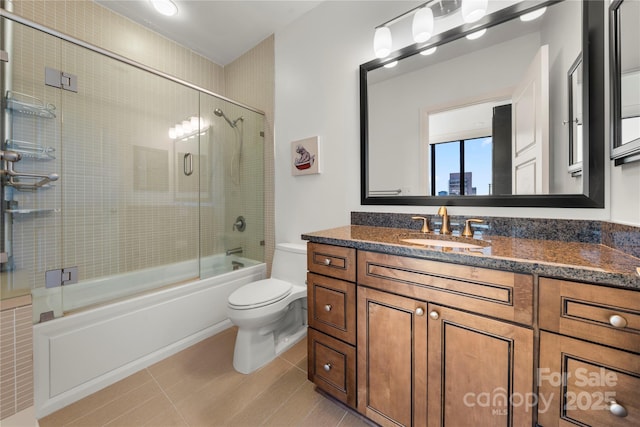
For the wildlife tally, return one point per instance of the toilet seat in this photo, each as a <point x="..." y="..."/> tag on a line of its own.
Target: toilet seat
<point x="260" y="293"/>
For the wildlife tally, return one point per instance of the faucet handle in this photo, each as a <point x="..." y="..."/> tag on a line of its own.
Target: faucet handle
<point x="468" y="230"/>
<point x="425" y="224"/>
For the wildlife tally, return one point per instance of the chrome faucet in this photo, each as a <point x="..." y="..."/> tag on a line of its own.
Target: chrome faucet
<point x="237" y="250"/>
<point x="446" y="227"/>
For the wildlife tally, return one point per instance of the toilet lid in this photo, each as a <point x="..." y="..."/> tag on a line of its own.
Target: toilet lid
<point x="260" y="293"/>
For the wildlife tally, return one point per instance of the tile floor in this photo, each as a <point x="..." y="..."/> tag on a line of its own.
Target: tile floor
<point x="199" y="387"/>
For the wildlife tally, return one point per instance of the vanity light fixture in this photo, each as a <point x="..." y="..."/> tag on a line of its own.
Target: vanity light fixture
<point x="477" y="34"/>
<point x="533" y="15"/>
<point x="429" y="51"/>
<point x="474" y="10"/>
<point x="382" y="42"/>
<point x="422" y="27"/>
<point x="164" y="7"/>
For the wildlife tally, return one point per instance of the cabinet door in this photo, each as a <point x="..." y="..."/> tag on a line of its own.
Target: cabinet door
<point x="392" y="346"/>
<point x="480" y="371"/>
<point x="586" y="384"/>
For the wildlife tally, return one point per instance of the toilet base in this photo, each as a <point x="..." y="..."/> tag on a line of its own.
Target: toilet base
<point x="253" y="350"/>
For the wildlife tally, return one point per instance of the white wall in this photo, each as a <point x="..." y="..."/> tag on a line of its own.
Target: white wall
<point x="317" y="93"/>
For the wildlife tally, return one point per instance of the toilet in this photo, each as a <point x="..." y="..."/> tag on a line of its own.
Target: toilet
<point x="271" y="314"/>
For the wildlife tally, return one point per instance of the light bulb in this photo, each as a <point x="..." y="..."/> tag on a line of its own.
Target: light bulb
<point x="533" y="15"/>
<point x="429" y="51"/>
<point x="186" y="126"/>
<point x="165" y="7"/>
<point x="172" y="133"/>
<point x="422" y="25"/>
<point x="473" y="10"/>
<point x="382" y="42"/>
<point x="477" y="34"/>
<point x="179" y="131"/>
<point x="391" y="64"/>
<point x="195" y="123"/>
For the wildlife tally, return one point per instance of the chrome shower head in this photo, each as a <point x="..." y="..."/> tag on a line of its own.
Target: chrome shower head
<point x="218" y="112"/>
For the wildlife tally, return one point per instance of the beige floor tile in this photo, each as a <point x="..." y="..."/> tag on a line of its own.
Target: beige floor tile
<point x="325" y="414"/>
<point x="303" y="364"/>
<point x="295" y="409"/>
<point x="220" y="411"/>
<point x="353" y="420"/>
<point x="119" y="406"/>
<point x="297" y="352"/>
<point x="139" y="415"/>
<point x="166" y="418"/>
<point x="268" y="402"/>
<point x="96" y="400"/>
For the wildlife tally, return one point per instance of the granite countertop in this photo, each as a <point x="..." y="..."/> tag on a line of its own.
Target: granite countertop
<point x="589" y="262"/>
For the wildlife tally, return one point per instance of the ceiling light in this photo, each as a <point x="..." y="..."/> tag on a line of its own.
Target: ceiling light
<point x="382" y="42"/>
<point x="533" y="15"/>
<point x="165" y="7"/>
<point x="429" y="51"/>
<point x="477" y="34"/>
<point x="422" y="25"/>
<point x="391" y="64"/>
<point x="473" y="10"/>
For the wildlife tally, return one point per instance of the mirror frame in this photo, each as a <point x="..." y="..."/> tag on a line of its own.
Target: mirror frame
<point x="575" y="166"/>
<point x="620" y="153"/>
<point x="593" y="40"/>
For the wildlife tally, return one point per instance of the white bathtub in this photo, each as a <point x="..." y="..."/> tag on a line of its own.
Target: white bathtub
<point x="81" y="353"/>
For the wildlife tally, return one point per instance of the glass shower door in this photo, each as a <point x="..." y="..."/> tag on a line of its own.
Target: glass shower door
<point x="129" y="188"/>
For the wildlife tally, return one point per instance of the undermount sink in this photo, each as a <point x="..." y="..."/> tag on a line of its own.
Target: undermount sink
<point x="444" y="243"/>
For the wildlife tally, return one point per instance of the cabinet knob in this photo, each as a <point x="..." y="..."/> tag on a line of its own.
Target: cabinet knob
<point x="419" y="311"/>
<point x="327" y="261"/>
<point x="328" y="307"/>
<point x="617" y="409"/>
<point x="434" y="315"/>
<point x="617" y="321"/>
<point x="327" y="367"/>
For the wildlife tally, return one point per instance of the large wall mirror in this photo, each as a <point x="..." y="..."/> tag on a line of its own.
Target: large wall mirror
<point x="513" y="118"/>
<point x="625" y="80"/>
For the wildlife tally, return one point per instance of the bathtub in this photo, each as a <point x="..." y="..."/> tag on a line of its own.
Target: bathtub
<point x="83" y="352"/>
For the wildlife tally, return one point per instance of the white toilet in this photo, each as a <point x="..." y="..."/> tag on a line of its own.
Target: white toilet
<point x="271" y="314"/>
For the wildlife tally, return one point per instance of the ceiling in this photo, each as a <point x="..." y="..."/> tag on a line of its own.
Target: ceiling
<point x="219" y="30"/>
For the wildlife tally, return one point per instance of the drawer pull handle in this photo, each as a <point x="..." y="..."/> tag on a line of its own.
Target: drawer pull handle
<point x="419" y="311"/>
<point x="434" y="315"/>
<point x="617" y="409"/>
<point x="327" y="367"/>
<point x="617" y="321"/>
<point x="327" y="261"/>
<point x="328" y="307"/>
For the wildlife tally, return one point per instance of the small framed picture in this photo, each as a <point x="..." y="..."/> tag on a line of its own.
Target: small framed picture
<point x="305" y="156"/>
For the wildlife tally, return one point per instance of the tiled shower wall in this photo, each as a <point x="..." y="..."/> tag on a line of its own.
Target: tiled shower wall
<point x="16" y="361"/>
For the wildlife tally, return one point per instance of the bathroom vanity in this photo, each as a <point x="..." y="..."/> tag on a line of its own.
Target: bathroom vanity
<point x="508" y="331"/>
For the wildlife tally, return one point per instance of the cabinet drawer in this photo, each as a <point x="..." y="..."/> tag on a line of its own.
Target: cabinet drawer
<point x="332" y="306"/>
<point x="604" y="315"/>
<point x="495" y="293"/>
<point x="334" y="261"/>
<point x="332" y="366"/>
<point x="579" y="381"/>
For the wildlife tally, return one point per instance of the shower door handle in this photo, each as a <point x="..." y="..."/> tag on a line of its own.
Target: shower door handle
<point x="188" y="164"/>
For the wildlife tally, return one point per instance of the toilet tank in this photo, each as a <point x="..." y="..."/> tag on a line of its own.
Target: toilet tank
<point x="290" y="263"/>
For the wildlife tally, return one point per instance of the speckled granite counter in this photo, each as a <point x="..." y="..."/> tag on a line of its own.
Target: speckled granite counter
<point x="589" y="262"/>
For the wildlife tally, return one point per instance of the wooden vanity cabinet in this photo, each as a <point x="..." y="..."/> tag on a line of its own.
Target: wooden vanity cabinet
<point x="423" y="363"/>
<point x="331" y="302"/>
<point x="589" y="371"/>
